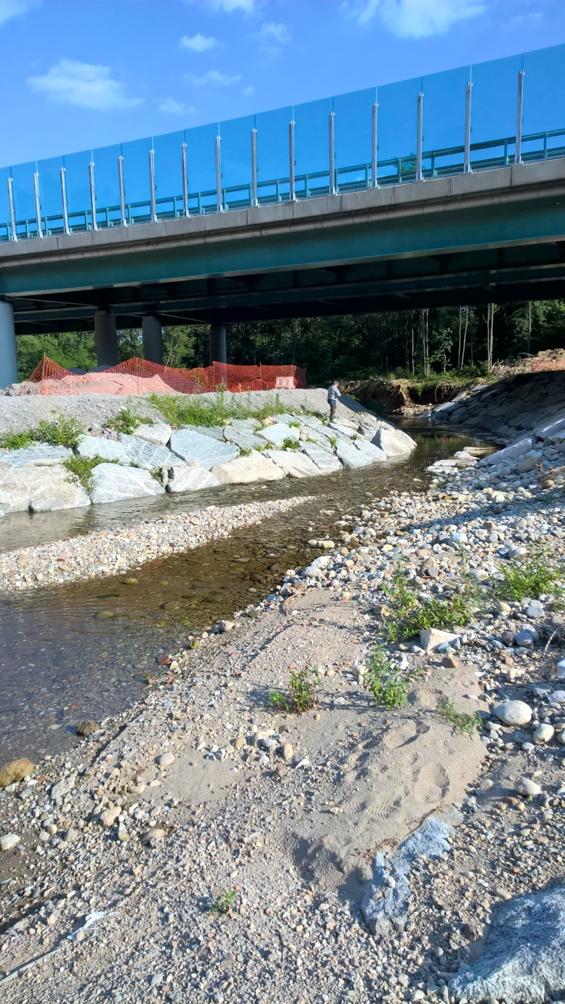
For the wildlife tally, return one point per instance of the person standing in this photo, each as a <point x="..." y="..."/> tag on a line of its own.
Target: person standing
<point x="333" y="394"/>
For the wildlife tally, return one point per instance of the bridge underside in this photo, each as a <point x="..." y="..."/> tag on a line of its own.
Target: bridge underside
<point x="497" y="236"/>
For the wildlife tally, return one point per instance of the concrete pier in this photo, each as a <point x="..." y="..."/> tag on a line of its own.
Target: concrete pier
<point x="218" y="343"/>
<point x="152" y="338"/>
<point x="105" y="338"/>
<point x="8" y="355"/>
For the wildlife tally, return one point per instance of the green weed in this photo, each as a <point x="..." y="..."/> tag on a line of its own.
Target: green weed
<point x="301" y="696"/>
<point x="408" y="614"/>
<point x="528" y="579"/>
<point x="189" y="410"/>
<point x="291" y="444"/>
<point x="81" y="469"/>
<point x="461" y="723"/>
<point x="387" y="683"/>
<point x="222" y="904"/>
<point x="126" y="420"/>
<point x="62" y="431"/>
<point x="16" y="440"/>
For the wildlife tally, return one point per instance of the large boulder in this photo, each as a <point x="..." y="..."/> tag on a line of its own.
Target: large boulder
<point x="41" y="454"/>
<point x="190" y="478"/>
<point x="204" y="449"/>
<point x="510" y="454"/>
<point x="244" y="470"/>
<point x="150" y="456"/>
<point x="112" y="483"/>
<point x="39" y="489"/>
<point x="523" y="954"/>
<point x="158" y="433"/>
<point x="293" y="463"/>
<point x="276" y="434"/>
<point x="324" y="459"/>
<point x="245" y="439"/>
<point x="393" y="442"/>
<point x="101" y="446"/>
<point x="358" y="454"/>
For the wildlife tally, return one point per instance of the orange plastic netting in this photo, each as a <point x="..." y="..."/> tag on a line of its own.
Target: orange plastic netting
<point x="139" y="376"/>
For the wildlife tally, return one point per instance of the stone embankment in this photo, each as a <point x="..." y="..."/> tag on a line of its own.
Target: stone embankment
<point x="210" y="846"/>
<point x="155" y="458"/>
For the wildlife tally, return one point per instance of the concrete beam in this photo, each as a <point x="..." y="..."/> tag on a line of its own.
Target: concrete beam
<point x="105" y="338"/>
<point x="218" y="343"/>
<point x="8" y="355"/>
<point x="152" y="332"/>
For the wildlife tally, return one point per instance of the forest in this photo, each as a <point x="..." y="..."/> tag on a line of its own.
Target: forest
<point x="420" y="343"/>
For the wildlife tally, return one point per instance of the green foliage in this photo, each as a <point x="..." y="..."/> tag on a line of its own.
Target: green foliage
<point x="301" y="696"/>
<point x="126" y="420"/>
<point x="461" y="723"/>
<point x="73" y="350"/>
<point x="62" y="431"/>
<point x="190" y="410"/>
<point x="528" y="579"/>
<point x="222" y="904"/>
<point x="408" y="614"/>
<point x="81" y="469"/>
<point x="291" y="444"/>
<point x="387" y="683"/>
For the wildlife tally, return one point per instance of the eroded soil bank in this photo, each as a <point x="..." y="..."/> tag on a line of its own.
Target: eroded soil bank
<point x="206" y="846"/>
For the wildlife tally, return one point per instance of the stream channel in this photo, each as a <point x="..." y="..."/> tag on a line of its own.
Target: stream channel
<point x="61" y="662"/>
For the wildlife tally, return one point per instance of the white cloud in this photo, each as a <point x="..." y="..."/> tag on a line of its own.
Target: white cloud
<point x="88" y="85"/>
<point x="14" y="8"/>
<point x="274" y="33"/>
<point x="248" y="91"/>
<point x="170" y="106"/>
<point x="199" y="42"/>
<point x="228" y="6"/>
<point x="215" y="78"/>
<point x="415" y="18"/>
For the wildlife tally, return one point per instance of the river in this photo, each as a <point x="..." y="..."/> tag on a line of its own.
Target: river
<point x="84" y="651"/>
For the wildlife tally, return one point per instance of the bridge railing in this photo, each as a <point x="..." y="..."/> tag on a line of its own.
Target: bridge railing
<point x="469" y="119"/>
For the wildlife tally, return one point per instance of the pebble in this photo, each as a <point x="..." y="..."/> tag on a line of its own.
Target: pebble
<point x="8" y="841"/>
<point x="525" y="786"/>
<point x="513" y="712"/>
<point x="543" y="733"/>
<point x="165" y="760"/>
<point x="109" y="816"/>
<point x="287" y="751"/>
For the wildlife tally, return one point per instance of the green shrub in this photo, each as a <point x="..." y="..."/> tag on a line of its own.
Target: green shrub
<point x="81" y="468"/>
<point x="408" y="614"/>
<point x="301" y="696"/>
<point x="126" y="420"/>
<point x="387" y="683"/>
<point x="290" y="444"/>
<point x="528" y="579"/>
<point x="62" y="431"/>
<point x="16" y="440"/>
<point x="461" y="723"/>
<point x="189" y="409"/>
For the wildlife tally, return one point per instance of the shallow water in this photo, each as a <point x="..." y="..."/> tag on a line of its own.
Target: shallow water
<point x="84" y="650"/>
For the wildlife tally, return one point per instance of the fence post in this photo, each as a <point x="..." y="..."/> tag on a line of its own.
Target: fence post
<point x="37" y="200"/>
<point x="374" y="143"/>
<point x="518" y="149"/>
<point x="152" y="194"/>
<point x="254" y="200"/>
<point x="12" y="208"/>
<point x="122" y="187"/>
<point x="331" y="130"/>
<point x="92" y="194"/>
<point x="63" y="176"/>
<point x="292" y="175"/>
<point x="219" y="193"/>
<point x="468" y="109"/>
<point x="420" y="138"/>
<point x="184" y="170"/>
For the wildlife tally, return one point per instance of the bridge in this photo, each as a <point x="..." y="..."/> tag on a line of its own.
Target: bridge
<point x="442" y="190"/>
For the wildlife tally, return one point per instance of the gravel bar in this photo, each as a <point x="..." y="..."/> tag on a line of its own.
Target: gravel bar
<point x="111" y="552"/>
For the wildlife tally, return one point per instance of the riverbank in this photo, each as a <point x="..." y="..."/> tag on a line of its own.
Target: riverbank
<point x="208" y="845"/>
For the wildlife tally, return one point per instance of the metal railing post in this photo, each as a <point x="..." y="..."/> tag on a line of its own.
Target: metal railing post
<point x="92" y="185"/>
<point x="12" y="208"/>
<point x="468" y="109"/>
<point x="254" y="199"/>
<point x="152" y="192"/>
<point x="374" y="143"/>
<point x="518" y="149"/>
<point x="420" y="138"/>
<point x="331" y="137"/>
<point x="184" y="171"/>
<point x="37" y="199"/>
<point x="219" y="192"/>
<point x="64" y="202"/>
<point x="122" y="189"/>
<point x="291" y="164"/>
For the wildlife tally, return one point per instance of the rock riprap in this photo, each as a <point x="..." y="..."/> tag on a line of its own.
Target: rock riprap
<point x="155" y="457"/>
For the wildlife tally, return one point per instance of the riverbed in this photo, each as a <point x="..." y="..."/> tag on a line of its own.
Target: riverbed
<point x="85" y="651"/>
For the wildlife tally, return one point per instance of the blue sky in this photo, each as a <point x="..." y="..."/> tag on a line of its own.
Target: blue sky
<point x="82" y="73"/>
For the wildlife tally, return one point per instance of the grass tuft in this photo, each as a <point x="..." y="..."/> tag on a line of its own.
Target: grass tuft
<point x="126" y="420"/>
<point x="461" y="723"/>
<point x="408" y="614"/>
<point x="62" y="431"/>
<point x="187" y="409"/>
<point x="16" y="440"/>
<point x="387" y="683"/>
<point x="528" y="579"/>
<point x="301" y="695"/>
<point x="81" y="468"/>
<point x="291" y="444"/>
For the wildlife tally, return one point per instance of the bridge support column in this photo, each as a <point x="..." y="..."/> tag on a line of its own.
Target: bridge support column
<point x="105" y="338"/>
<point x="152" y="332"/>
<point x="8" y="356"/>
<point x="218" y="343"/>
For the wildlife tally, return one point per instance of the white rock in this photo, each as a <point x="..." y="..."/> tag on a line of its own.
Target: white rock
<point x="432" y="638"/>
<point x="39" y="454"/>
<point x="513" y="712"/>
<point x="207" y="451"/>
<point x="544" y="733"/>
<point x="109" y="816"/>
<point x="158" y="433"/>
<point x="40" y="489"/>
<point x="8" y="841"/>
<point x="525" y="786"/>
<point x="150" y="456"/>
<point x="165" y="759"/>
<point x="324" y="459"/>
<point x="101" y="446"/>
<point x="276" y="434"/>
<point x="190" y="478"/>
<point x="112" y="483"/>
<point x="63" y="787"/>
<point x="394" y="442"/>
<point x="244" y="470"/>
<point x="293" y="463"/>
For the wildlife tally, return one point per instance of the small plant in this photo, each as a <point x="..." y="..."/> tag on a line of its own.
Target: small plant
<point x="295" y="424"/>
<point x="126" y="420"/>
<point x="81" y="468"/>
<point x="332" y="440"/>
<point x="63" y="431"/>
<point x="528" y="579"/>
<point x="186" y="409"/>
<point x="16" y="440"/>
<point x="222" y="904"/>
<point x="408" y="614"/>
<point x="301" y="694"/>
<point x="461" y="723"/>
<point x="387" y="684"/>
<point x="290" y="444"/>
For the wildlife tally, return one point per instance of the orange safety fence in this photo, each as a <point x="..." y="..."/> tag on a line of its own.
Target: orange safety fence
<point x="139" y="376"/>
